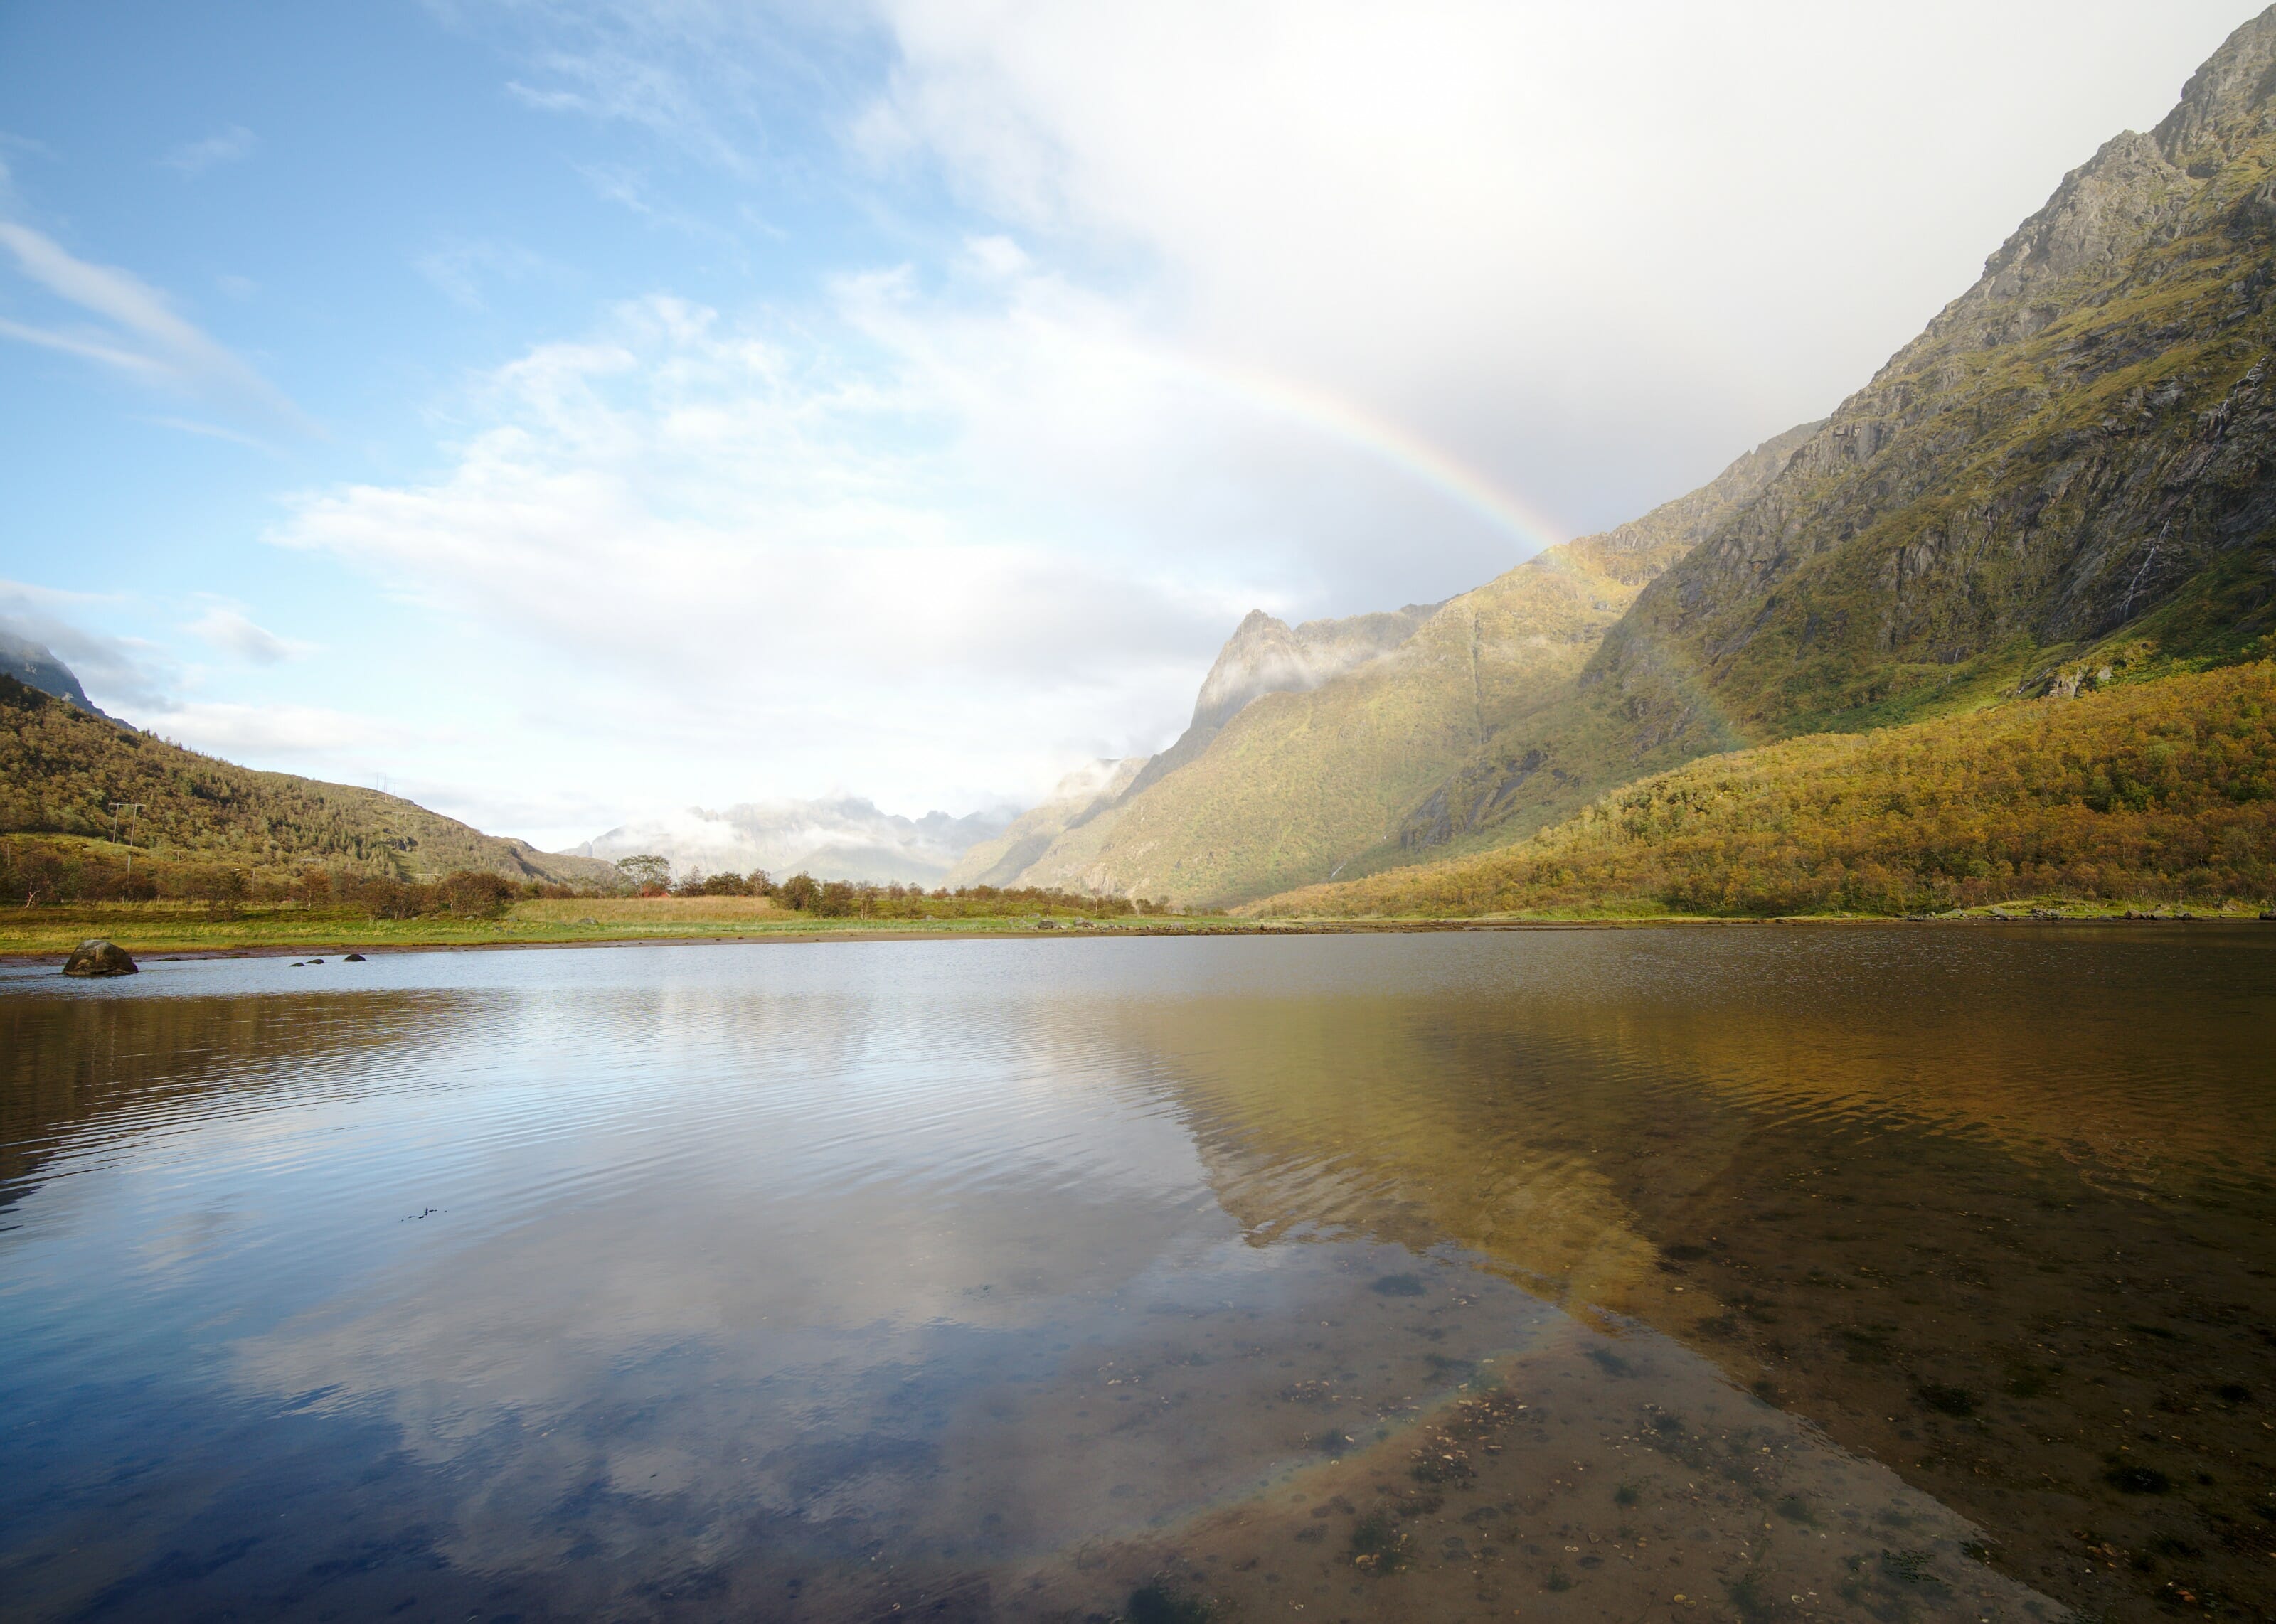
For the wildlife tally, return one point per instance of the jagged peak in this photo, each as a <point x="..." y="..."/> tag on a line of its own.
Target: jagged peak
<point x="2105" y="207"/>
<point x="2231" y="90"/>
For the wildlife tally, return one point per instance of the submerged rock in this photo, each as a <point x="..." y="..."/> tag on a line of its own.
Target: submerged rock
<point x="99" y="956"/>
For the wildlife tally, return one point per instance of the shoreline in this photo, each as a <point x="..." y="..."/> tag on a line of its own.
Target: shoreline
<point x="15" y="957"/>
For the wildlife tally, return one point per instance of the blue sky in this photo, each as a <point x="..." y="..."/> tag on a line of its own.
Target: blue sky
<point x="565" y="410"/>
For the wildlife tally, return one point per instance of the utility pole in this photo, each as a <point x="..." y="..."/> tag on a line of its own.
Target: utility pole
<point x="130" y="808"/>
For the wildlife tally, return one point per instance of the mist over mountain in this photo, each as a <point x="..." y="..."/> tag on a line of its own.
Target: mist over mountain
<point x="1074" y="801"/>
<point x="847" y="838"/>
<point x="35" y="666"/>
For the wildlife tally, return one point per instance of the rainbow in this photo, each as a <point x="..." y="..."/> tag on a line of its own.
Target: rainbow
<point x="1389" y="443"/>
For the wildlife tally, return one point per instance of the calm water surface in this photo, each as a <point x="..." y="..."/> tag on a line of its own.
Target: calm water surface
<point x="1773" y="1273"/>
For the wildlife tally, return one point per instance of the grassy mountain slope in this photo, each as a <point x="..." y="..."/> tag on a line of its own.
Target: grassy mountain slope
<point x="2074" y="464"/>
<point x="2159" y="789"/>
<point x="1266" y="656"/>
<point x="1301" y="786"/>
<point x="60" y="769"/>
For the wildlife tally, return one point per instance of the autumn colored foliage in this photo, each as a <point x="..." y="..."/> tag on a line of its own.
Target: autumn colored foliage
<point x="65" y="773"/>
<point x="2161" y="791"/>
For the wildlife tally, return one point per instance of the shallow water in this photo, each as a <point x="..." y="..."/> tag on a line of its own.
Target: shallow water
<point x="1780" y="1272"/>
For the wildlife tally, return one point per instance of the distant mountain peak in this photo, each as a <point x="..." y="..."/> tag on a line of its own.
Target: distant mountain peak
<point x="35" y="666"/>
<point x="1265" y="654"/>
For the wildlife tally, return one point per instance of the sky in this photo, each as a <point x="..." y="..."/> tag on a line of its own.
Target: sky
<point x="562" y="410"/>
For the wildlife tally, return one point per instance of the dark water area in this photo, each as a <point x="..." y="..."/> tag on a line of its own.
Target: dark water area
<point x="1775" y="1273"/>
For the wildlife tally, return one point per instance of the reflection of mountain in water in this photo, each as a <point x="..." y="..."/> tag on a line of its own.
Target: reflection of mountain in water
<point x="1919" y="1197"/>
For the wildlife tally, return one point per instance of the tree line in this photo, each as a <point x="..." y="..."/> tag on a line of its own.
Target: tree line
<point x="47" y="871"/>
<point x="649" y="875"/>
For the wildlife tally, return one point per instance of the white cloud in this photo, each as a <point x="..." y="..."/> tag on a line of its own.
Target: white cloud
<point x="228" y="629"/>
<point x="627" y="188"/>
<point x="213" y="431"/>
<point x="614" y="86"/>
<point x="233" y="144"/>
<point x="709" y="530"/>
<point x="118" y="672"/>
<point x="145" y="338"/>
<point x="1596" y="249"/>
<point x="460" y="268"/>
<point x="266" y="733"/>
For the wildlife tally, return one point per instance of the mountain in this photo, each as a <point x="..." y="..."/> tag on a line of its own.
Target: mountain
<point x="844" y="839"/>
<point x="1308" y="748"/>
<point x="35" y="666"/>
<point x="2065" y="480"/>
<point x="62" y="768"/>
<point x="2067" y="472"/>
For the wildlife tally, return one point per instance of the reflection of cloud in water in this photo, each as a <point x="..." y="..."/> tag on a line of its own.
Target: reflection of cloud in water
<point x="743" y="1267"/>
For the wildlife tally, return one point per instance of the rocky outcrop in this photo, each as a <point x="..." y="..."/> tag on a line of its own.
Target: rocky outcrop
<point x="99" y="956"/>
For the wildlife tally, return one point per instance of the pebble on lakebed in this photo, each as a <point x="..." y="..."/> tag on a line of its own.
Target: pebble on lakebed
<point x="98" y="956"/>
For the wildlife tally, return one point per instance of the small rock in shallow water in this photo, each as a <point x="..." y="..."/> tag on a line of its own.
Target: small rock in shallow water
<point x="97" y="956"/>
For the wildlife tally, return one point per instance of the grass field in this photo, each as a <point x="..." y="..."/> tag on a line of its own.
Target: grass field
<point x="158" y="929"/>
<point x="187" y="927"/>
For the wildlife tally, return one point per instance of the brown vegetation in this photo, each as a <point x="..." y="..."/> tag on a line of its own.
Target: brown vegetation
<point x="2163" y="791"/>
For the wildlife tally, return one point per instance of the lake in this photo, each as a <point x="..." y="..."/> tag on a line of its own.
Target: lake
<point x="1763" y="1273"/>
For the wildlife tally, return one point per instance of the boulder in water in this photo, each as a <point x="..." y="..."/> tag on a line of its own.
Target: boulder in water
<point x="98" y="956"/>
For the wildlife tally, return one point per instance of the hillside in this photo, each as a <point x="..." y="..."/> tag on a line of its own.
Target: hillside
<point x="2162" y="790"/>
<point x="62" y="768"/>
<point x="1304" y="783"/>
